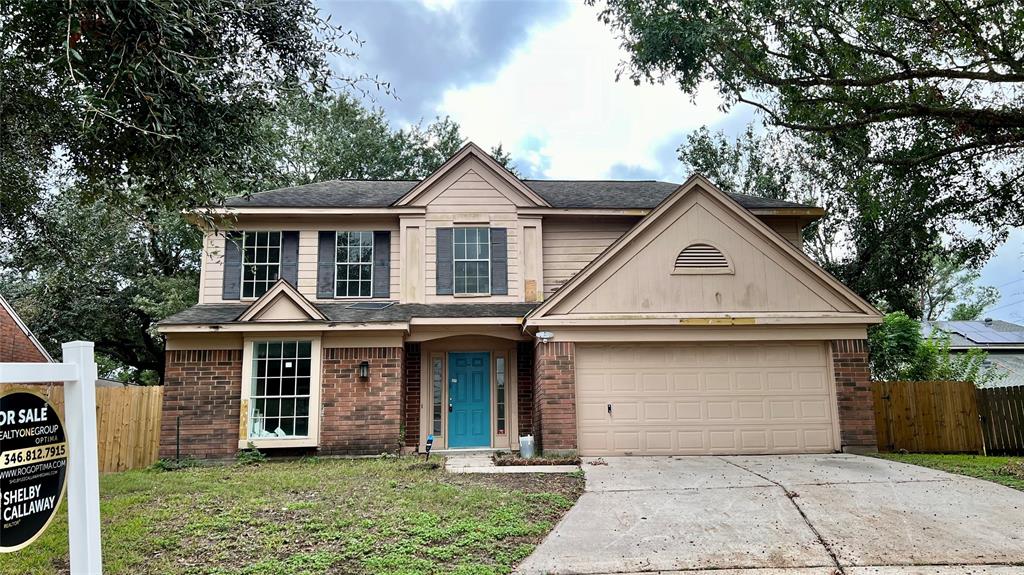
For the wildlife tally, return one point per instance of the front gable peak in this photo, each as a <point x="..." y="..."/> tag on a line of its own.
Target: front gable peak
<point x="697" y="256"/>
<point x="472" y="162"/>
<point x="282" y="302"/>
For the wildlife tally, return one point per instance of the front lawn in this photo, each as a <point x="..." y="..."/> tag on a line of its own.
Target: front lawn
<point x="1008" y="471"/>
<point x="395" y="515"/>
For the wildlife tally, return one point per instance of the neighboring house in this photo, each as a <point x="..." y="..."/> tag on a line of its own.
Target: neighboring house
<point x="608" y="317"/>
<point x="17" y="343"/>
<point x="1004" y="342"/>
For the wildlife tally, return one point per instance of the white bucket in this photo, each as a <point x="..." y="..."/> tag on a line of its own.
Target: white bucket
<point x="526" y="447"/>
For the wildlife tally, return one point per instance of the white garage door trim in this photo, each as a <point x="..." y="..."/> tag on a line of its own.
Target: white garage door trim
<point x="711" y="398"/>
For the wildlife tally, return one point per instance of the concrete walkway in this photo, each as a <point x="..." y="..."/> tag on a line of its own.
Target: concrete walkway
<point x="793" y="515"/>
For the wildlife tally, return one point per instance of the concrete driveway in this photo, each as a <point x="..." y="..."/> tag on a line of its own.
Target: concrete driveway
<point x="792" y="514"/>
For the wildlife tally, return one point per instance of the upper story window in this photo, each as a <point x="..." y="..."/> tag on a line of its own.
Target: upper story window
<point x="472" y="251"/>
<point x="354" y="263"/>
<point x="261" y="262"/>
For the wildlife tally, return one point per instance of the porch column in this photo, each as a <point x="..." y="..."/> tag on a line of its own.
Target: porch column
<point x="853" y="394"/>
<point x="554" y="396"/>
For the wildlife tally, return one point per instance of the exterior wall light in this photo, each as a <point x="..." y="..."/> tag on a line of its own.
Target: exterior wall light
<point x="545" y="336"/>
<point x="364" y="370"/>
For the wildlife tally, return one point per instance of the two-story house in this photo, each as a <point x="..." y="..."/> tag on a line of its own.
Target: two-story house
<point x="608" y="317"/>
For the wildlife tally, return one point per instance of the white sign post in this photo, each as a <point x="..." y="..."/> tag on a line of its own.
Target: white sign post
<point x="78" y="372"/>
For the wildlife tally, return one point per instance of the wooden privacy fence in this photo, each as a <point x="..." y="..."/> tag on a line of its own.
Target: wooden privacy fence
<point x="949" y="417"/>
<point x="127" y="423"/>
<point x="1002" y="419"/>
<point x="927" y="416"/>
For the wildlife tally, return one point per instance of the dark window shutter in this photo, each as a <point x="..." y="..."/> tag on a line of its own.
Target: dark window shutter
<point x="325" y="269"/>
<point x="232" y="287"/>
<point x="382" y="264"/>
<point x="290" y="257"/>
<point x="445" y="265"/>
<point x="499" y="261"/>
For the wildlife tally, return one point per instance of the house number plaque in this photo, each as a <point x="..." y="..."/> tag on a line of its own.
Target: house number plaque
<point x="33" y="467"/>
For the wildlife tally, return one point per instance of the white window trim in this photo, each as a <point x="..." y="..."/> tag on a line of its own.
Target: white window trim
<point x="280" y="255"/>
<point x="490" y="265"/>
<point x="315" y="367"/>
<point x="373" y="249"/>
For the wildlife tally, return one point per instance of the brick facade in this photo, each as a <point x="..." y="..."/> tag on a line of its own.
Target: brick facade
<point x="411" y="394"/>
<point x="15" y="346"/>
<point x="361" y="417"/>
<point x="554" y="399"/>
<point x="524" y="386"/>
<point x="204" y="388"/>
<point x="853" y="393"/>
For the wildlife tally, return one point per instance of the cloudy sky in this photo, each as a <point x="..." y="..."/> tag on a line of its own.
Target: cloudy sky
<point x="538" y="77"/>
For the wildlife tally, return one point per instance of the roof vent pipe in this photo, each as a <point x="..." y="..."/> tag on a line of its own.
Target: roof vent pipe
<point x="988" y="321"/>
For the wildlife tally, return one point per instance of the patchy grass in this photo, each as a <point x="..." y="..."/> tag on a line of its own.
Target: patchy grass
<point x="1008" y="471"/>
<point x="395" y="515"/>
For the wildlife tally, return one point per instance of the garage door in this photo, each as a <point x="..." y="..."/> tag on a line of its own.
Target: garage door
<point x="704" y="399"/>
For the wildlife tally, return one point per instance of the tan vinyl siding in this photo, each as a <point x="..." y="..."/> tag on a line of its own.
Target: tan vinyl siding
<point x="788" y="228"/>
<point x="572" y="243"/>
<point x="213" y="256"/>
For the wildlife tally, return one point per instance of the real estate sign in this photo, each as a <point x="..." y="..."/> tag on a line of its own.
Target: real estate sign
<point x="33" y="467"/>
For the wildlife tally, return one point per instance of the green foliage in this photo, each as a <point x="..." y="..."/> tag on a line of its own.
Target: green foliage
<point x="104" y="272"/>
<point x="911" y="110"/>
<point x="758" y="165"/>
<point x="898" y="352"/>
<point x="313" y="138"/>
<point x="947" y="284"/>
<point x="504" y="158"/>
<point x="250" y="456"/>
<point x="892" y="346"/>
<point x="154" y="100"/>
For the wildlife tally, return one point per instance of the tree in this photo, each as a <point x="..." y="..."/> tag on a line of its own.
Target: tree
<point x="949" y="286"/>
<point x="151" y="102"/>
<point x="93" y="271"/>
<point x="914" y="107"/>
<point x="333" y="136"/>
<point x="758" y="165"/>
<point x="504" y="158"/>
<point x="899" y="353"/>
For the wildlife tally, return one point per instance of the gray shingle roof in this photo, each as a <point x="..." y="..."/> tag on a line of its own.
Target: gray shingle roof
<point x="611" y="194"/>
<point x="340" y="312"/>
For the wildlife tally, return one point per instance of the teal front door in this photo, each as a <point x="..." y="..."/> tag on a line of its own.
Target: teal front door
<point x="469" y="399"/>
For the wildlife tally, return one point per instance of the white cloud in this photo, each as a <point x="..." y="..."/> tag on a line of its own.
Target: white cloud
<point x="556" y="107"/>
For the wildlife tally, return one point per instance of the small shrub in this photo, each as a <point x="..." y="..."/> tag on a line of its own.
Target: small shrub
<point x="250" y="456"/>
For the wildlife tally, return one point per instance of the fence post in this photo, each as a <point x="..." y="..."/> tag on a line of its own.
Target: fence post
<point x="83" y="463"/>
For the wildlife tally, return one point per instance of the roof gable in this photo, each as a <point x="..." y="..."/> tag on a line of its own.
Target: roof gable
<point x="282" y="302"/>
<point x="637" y="278"/>
<point x="472" y="158"/>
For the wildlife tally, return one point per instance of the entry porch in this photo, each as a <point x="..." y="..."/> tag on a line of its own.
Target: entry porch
<point x="468" y="390"/>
